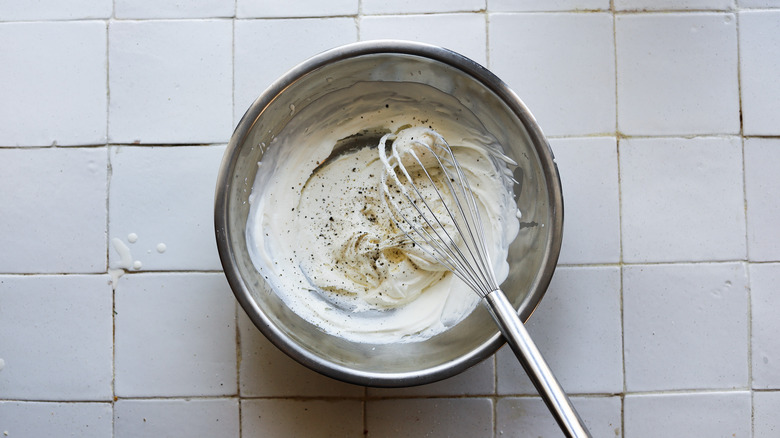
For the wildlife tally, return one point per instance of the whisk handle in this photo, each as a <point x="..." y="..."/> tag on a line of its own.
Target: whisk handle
<point x="535" y="366"/>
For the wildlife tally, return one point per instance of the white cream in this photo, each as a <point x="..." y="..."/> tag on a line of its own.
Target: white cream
<point x="319" y="232"/>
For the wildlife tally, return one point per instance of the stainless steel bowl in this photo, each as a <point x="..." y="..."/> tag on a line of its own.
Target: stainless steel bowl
<point x="532" y="256"/>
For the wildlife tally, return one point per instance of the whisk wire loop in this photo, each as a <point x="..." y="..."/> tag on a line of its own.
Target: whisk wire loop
<point x="473" y="222"/>
<point x="468" y="259"/>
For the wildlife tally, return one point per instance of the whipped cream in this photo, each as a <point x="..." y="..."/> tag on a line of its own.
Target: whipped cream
<point x="320" y="232"/>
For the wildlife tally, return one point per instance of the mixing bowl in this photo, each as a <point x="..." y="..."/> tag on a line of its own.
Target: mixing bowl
<point x="478" y="94"/>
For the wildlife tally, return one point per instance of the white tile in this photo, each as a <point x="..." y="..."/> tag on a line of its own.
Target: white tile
<point x="56" y="334"/>
<point x="56" y="90"/>
<point x="765" y="303"/>
<point x="702" y="415"/>
<point x="758" y="3"/>
<point x="577" y="329"/>
<point x="268" y="372"/>
<point x="173" y="9"/>
<point x="762" y="184"/>
<point x="54" y="210"/>
<point x="549" y="5"/>
<point x="436" y="29"/>
<point x="528" y="416"/>
<point x="302" y="418"/>
<point x="682" y="199"/>
<point x="35" y="419"/>
<point x="170" y="81"/>
<point x="170" y="418"/>
<point x="766" y="422"/>
<point x="477" y="380"/>
<point x="287" y="43"/>
<point x="411" y="6"/>
<point x="677" y="74"/>
<point x="161" y="207"/>
<point x="301" y="8"/>
<point x="55" y="10"/>
<point x="759" y="52"/>
<point x="685" y="326"/>
<point x="589" y="175"/>
<point x="175" y="335"/>
<point x="562" y="65"/>
<point x="666" y="5"/>
<point x="438" y="417"/>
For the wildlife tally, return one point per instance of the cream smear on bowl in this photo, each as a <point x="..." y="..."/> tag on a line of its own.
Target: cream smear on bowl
<point x="319" y="232"/>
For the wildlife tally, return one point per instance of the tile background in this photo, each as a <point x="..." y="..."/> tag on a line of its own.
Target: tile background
<point x="662" y="319"/>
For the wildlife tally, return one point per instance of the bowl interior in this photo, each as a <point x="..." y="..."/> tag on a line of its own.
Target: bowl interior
<point x="532" y="256"/>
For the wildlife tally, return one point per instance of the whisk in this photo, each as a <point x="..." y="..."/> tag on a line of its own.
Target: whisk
<point x="431" y="201"/>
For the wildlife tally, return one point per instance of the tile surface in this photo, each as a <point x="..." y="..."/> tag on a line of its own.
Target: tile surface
<point x="677" y="74"/>
<point x="301" y="8"/>
<point x="280" y="417"/>
<point x="665" y="5"/>
<point x="54" y="210"/>
<point x="685" y="326"/>
<point x="759" y="3"/>
<point x="682" y="199"/>
<point x="173" y="9"/>
<point x="765" y="407"/>
<point x="477" y="380"/>
<point x="561" y="65"/>
<point x="265" y="371"/>
<point x="176" y="417"/>
<point x="529" y="416"/>
<point x="432" y="29"/>
<point x="11" y="10"/>
<point x="55" y="337"/>
<point x="256" y="42"/>
<point x="759" y="52"/>
<point x="371" y="7"/>
<point x="715" y="414"/>
<point x="161" y="208"/>
<point x="577" y="329"/>
<point x="439" y="417"/>
<point x="549" y="5"/>
<point x="36" y="419"/>
<point x="765" y="302"/>
<point x="195" y="314"/>
<point x="170" y="81"/>
<point x="762" y="184"/>
<point x="40" y="108"/>
<point x="591" y="199"/>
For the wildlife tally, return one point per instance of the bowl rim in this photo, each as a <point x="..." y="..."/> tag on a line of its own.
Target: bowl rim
<point x="374" y="47"/>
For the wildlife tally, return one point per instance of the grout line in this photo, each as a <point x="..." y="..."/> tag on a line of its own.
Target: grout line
<point x="616" y="134"/>
<point x="359" y="20"/>
<point x="236" y="307"/>
<point x="487" y="38"/>
<point x="495" y="396"/>
<point x="729" y="390"/>
<point x="610" y="10"/>
<point x="561" y="265"/>
<point x="618" y="138"/>
<point x="109" y="174"/>
<point x="130" y="272"/>
<point x="749" y="291"/>
<point x="233" y="120"/>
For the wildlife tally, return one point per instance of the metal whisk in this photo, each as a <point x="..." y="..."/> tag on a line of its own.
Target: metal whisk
<point x="431" y="201"/>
